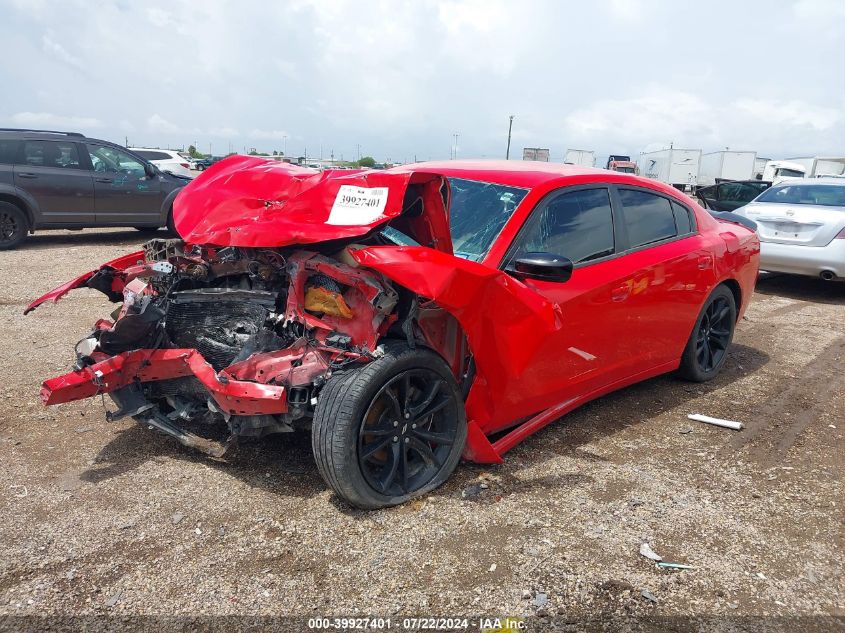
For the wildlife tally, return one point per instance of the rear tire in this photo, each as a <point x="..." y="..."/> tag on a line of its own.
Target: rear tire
<point x="14" y="226"/>
<point x="171" y="227"/>
<point x="711" y="337"/>
<point x="389" y="430"/>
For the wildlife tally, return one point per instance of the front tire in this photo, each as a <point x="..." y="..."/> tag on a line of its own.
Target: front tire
<point x="389" y="430"/>
<point x="13" y="226"/>
<point x="713" y="333"/>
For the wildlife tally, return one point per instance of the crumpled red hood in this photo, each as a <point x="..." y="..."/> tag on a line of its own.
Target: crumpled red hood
<point x="257" y="202"/>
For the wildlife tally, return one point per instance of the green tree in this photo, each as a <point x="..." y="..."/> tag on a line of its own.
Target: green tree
<point x="367" y="161"/>
<point x="192" y="152"/>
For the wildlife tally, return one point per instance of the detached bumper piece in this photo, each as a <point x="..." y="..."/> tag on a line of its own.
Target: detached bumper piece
<point x="233" y="397"/>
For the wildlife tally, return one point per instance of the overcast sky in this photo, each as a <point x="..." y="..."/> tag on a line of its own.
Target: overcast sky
<point x="400" y="78"/>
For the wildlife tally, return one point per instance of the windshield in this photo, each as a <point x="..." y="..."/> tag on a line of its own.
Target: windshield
<point x="790" y="173"/>
<point x="824" y="195"/>
<point x="477" y="213"/>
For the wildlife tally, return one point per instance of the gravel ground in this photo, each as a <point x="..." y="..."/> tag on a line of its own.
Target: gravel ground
<point x="114" y="519"/>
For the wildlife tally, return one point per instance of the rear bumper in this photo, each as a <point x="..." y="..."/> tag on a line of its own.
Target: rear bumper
<point x="803" y="260"/>
<point x="236" y="397"/>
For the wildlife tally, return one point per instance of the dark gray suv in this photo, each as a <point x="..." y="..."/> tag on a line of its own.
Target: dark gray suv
<point x="64" y="180"/>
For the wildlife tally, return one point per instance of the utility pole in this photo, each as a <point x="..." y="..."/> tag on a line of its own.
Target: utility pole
<point x="359" y="152"/>
<point x="285" y="147"/>
<point x="510" y="127"/>
<point x="456" y="135"/>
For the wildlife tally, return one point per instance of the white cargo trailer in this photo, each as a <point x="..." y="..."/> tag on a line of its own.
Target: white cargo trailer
<point x="759" y="167"/>
<point x="818" y="166"/>
<point x="725" y="165"/>
<point x="583" y="157"/>
<point x="536" y="153"/>
<point x="676" y="167"/>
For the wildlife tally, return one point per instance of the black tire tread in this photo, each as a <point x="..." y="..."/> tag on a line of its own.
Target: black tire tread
<point x="16" y="210"/>
<point x="334" y="420"/>
<point x="689" y="369"/>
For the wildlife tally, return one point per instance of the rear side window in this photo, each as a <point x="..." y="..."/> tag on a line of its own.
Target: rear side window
<point x="150" y="155"/>
<point x="649" y="218"/>
<point x="575" y="224"/>
<point x="683" y="219"/>
<point x="8" y="149"/>
<point x="51" y="154"/>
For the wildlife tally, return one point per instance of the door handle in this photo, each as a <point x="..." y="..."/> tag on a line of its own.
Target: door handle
<point x="621" y="293"/>
<point x="106" y="180"/>
<point x="26" y="174"/>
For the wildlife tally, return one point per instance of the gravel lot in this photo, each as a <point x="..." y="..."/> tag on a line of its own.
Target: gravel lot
<point x="103" y="518"/>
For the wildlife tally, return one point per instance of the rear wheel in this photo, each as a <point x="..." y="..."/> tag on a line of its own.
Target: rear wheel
<point x="708" y="344"/>
<point x="389" y="430"/>
<point x="13" y="226"/>
<point x="171" y="227"/>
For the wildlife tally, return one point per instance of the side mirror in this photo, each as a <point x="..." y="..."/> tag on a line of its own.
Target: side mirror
<point x="543" y="267"/>
<point x="149" y="169"/>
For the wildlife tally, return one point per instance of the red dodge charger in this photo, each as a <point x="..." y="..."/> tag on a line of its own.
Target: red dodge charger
<point x="406" y="316"/>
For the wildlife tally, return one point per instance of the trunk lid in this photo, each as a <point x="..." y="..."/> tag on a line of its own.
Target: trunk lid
<point x="798" y="224"/>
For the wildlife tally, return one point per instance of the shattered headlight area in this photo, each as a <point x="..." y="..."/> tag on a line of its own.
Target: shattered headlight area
<point x="241" y="338"/>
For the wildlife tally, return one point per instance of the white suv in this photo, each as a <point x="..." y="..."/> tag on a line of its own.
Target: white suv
<point x="165" y="160"/>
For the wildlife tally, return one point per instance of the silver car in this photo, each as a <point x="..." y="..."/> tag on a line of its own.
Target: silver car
<point x="801" y="224"/>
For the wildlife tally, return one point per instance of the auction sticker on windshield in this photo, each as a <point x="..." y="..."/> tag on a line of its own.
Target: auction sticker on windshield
<point x="355" y="206"/>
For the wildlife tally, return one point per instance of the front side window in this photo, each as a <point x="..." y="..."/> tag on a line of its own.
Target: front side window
<point x="649" y="218"/>
<point x="60" y="154"/>
<point x="574" y="224"/>
<point x="826" y="195"/>
<point x="477" y="213"/>
<point x="738" y="192"/>
<point x="110" y="160"/>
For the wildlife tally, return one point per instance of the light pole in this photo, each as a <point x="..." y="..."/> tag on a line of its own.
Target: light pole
<point x="456" y="135"/>
<point x="285" y="145"/>
<point x="510" y="127"/>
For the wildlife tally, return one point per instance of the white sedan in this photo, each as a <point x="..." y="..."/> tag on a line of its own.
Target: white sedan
<point x="801" y="224"/>
<point x="165" y="160"/>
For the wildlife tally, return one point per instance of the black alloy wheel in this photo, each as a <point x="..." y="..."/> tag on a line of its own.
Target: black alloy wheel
<point x="707" y="347"/>
<point x="407" y="433"/>
<point x="13" y="226"/>
<point x="714" y="334"/>
<point x="390" y="429"/>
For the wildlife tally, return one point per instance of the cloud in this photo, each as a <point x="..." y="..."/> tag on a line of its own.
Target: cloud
<point x="157" y="123"/>
<point x="661" y="116"/>
<point x="401" y="77"/>
<point x="50" y="120"/>
<point x="55" y="50"/>
<point x="270" y="135"/>
<point x="625" y="10"/>
<point x="224" y="132"/>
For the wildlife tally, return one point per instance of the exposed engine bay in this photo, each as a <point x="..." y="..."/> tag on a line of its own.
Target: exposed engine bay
<point x="244" y="337"/>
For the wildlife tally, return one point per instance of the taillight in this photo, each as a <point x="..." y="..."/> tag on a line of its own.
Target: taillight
<point x="186" y="165"/>
<point x="840" y="235"/>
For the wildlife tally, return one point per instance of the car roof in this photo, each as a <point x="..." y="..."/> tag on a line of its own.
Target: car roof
<point x="516" y="173"/>
<point x="50" y="135"/>
<point x="528" y="174"/>
<point x="171" y="152"/>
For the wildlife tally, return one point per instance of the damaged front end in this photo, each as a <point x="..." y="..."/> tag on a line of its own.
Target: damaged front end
<point x="225" y="335"/>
